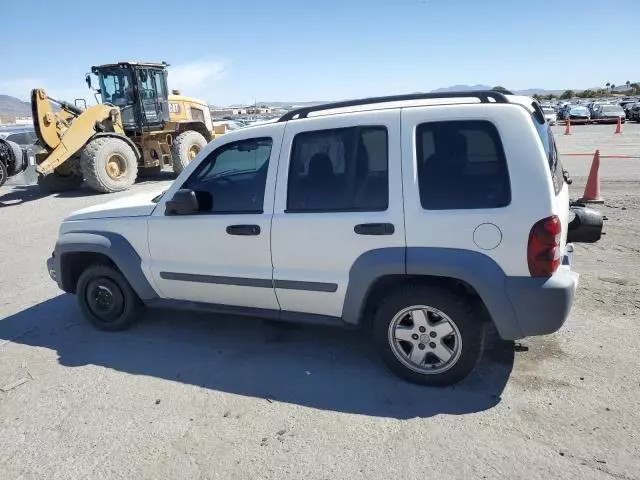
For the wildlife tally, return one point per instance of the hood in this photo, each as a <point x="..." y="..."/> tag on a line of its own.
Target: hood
<point x="140" y="205"/>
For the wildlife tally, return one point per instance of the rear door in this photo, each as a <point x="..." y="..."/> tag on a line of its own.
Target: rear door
<point x="338" y="196"/>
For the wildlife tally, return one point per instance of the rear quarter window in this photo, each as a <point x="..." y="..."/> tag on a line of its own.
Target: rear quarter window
<point x="551" y="151"/>
<point x="461" y="165"/>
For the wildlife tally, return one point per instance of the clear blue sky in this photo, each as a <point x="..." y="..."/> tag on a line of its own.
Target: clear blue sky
<point x="233" y="51"/>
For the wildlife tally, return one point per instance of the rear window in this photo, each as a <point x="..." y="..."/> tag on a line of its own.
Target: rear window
<point x="461" y="165"/>
<point x="549" y="144"/>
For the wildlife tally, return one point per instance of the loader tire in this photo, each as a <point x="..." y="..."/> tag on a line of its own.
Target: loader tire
<point x="149" y="172"/>
<point x="3" y="173"/>
<point x="109" y="165"/>
<point x="19" y="165"/>
<point x="185" y="148"/>
<point x="56" y="182"/>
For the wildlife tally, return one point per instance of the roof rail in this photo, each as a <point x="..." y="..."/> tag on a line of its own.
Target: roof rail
<point x="485" y="96"/>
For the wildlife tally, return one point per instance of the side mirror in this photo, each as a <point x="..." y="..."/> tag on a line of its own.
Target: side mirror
<point x="183" y="202"/>
<point x="87" y="78"/>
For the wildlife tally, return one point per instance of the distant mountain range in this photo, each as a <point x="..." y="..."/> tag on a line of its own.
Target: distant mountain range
<point x="14" y="107"/>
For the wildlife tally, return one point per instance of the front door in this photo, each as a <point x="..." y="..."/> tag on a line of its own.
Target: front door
<point x="221" y="255"/>
<point x="148" y="94"/>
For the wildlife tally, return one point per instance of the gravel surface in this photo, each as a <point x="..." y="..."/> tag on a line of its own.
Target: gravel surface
<point x="184" y="395"/>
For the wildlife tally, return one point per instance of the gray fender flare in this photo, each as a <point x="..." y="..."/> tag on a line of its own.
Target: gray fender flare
<point x="113" y="246"/>
<point x="474" y="268"/>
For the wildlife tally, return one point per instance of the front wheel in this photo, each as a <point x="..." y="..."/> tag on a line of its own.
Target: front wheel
<point x="109" y="165"/>
<point x="428" y="335"/>
<point x="106" y="299"/>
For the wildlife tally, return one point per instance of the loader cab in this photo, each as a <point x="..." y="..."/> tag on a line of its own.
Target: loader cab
<point x="139" y="90"/>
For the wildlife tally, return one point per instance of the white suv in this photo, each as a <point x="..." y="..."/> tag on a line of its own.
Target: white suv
<point x="421" y="216"/>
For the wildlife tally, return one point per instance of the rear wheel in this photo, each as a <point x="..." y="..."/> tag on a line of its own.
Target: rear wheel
<point x="428" y="335"/>
<point x="185" y="148"/>
<point x="149" y="171"/>
<point x="106" y="299"/>
<point x="56" y="183"/>
<point x="109" y="165"/>
<point x="64" y="178"/>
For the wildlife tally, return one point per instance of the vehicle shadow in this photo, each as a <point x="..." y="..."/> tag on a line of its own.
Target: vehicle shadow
<point x="162" y="176"/>
<point x="18" y="193"/>
<point x="319" y="367"/>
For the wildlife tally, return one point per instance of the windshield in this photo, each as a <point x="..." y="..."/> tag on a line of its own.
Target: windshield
<point x="579" y="111"/>
<point x="611" y="109"/>
<point x="548" y="110"/>
<point x="115" y="86"/>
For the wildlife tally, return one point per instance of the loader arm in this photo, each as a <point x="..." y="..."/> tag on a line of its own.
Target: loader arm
<point x="65" y="132"/>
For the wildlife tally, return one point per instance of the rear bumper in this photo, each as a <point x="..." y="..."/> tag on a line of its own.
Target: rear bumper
<point x="542" y="305"/>
<point x="608" y="120"/>
<point x="579" y="120"/>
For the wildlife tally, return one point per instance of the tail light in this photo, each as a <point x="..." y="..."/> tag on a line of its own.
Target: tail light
<point x="543" y="250"/>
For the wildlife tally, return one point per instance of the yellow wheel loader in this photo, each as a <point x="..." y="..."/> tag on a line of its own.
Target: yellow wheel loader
<point x="138" y="128"/>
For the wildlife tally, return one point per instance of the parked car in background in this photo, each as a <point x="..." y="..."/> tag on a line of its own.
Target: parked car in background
<point x="20" y="134"/>
<point x="635" y="112"/>
<point x="608" y="114"/>
<point x="578" y="114"/>
<point x="628" y="109"/>
<point x="229" y="124"/>
<point x="14" y="158"/>
<point x="550" y="115"/>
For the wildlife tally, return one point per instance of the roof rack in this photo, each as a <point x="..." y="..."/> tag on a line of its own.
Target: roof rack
<point x="485" y="96"/>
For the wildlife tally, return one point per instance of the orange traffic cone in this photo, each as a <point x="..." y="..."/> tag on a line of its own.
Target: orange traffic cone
<point x="567" y="131"/>
<point x="618" y="127"/>
<point x="592" y="189"/>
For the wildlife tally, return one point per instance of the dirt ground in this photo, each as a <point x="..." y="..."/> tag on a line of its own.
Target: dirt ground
<point x="184" y="395"/>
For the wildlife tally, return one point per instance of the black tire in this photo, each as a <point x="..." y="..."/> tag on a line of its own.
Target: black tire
<point x="55" y="182"/>
<point x="3" y="173"/>
<point x="184" y="149"/>
<point x="109" y="165"/>
<point x="149" y="172"/>
<point x="18" y="165"/>
<point x="456" y="308"/>
<point x="106" y="299"/>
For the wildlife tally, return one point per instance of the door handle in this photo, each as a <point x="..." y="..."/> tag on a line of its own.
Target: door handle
<point x="244" y="230"/>
<point x="374" y="229"/>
